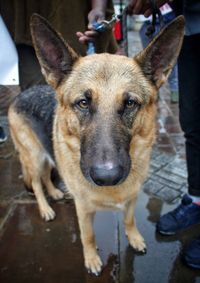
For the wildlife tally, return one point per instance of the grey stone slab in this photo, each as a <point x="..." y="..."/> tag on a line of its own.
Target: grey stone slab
<point x="152" y="187"/>
<point x="177" y="167"/>
<point x="163" y="159"/>
<point x="171" y="177"/>
<point x="166" y="182"/>
<point x="168" y="194"/>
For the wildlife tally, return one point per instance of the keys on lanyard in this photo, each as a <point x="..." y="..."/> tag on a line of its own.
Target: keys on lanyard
<point x="101" y="27"/>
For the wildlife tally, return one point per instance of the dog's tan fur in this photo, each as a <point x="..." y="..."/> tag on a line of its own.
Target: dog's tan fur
<point x="109" y="76"/>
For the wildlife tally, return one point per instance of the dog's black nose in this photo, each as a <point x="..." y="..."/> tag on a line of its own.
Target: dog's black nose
<point x="106" y="175"/>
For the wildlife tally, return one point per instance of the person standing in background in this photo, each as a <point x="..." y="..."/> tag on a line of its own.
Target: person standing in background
<point x="167" y="16"/>
<point x="73" y="19"/>
<point x="188" y="212"/>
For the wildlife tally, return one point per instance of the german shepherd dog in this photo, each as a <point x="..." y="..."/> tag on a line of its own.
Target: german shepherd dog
<point x="95" y="123"/>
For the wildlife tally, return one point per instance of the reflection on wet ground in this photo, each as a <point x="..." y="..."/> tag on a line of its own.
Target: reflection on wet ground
<point x="34" y="251"/>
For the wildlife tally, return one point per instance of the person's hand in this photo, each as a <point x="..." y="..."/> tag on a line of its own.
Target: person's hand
<point x="143" y="6"/>
<point x="95" y="15"/>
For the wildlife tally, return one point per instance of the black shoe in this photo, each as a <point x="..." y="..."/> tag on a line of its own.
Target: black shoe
<point x="3" y="136"/>
<point x="184" y="216"/>
<point x="191" y="255"/>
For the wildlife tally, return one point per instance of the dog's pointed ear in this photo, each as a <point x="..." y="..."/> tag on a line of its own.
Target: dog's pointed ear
<point x="55" y="56"/>
<point x="159" y="57"/>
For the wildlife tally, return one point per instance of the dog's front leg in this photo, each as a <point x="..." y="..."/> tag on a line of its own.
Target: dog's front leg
<point x="134" y="236"/>
<point x="93" y="262"/>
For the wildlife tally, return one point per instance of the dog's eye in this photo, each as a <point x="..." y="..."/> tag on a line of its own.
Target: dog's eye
<point x="130" y="103"/>
<point x="83" y="104"/>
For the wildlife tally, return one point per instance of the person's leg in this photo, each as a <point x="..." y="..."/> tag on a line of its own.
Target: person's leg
<point x="189" y="86"/>
<point x="173" y="78"/>
<point x="189" y="64"/>
<point x="173" y="84"/>
<point x="29" y="67"/>
<point x="144" y="38"/>
<point x="188" y="212"/>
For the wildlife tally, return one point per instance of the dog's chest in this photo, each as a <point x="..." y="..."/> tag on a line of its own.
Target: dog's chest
<point x="120" y="206"/>
<point x="112" y="205"/>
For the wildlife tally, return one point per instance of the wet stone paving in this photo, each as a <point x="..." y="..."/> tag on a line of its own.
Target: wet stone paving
<point x="34" y="251"/>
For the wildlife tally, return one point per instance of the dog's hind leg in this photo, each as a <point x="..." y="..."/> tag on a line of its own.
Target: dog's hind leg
<point x="33" y="158"/>
<point x="45" y="177"/>
<point x="134" y="236"/>
<point x="51" y="189"/>
<point x="46" y="211"/>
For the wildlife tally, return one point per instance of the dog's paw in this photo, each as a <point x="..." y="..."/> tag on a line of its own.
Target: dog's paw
<point x="57" y="194"/>
<point x="93" y="264"/>
<point x="138" y="243"/>
<point x="47" y="213"/>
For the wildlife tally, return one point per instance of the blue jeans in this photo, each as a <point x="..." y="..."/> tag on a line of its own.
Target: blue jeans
<point x="173" y="78"/>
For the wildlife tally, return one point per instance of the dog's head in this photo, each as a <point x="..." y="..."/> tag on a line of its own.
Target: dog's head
<point x="107" y="99"/>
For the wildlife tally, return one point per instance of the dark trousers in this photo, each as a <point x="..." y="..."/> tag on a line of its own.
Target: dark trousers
<point x="29" y="67"/>
<point x="189" y="89"/>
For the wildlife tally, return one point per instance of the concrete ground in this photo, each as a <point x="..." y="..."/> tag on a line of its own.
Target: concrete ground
<point x="34" y="251"/>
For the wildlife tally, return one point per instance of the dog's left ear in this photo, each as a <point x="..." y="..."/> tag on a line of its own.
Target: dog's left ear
<point x="159" y="57"/>
<point x="55" y="56"/>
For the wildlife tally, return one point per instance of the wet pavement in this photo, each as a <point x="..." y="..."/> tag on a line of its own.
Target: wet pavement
<point x="34" y="251"/>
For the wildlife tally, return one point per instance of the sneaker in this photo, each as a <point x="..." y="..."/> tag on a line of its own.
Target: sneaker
<point x="181" y="218"/>
<point x="3" y="136"/>
<point x="191" y="256"/>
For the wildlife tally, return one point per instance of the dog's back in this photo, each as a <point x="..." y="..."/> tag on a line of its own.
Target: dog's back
<point x="36" y="106"/>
